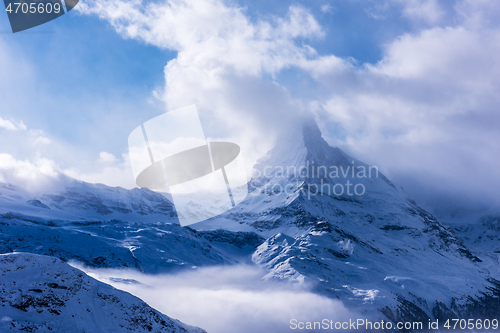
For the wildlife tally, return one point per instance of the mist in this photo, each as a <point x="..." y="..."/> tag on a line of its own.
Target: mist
<point x="226" y="299"/>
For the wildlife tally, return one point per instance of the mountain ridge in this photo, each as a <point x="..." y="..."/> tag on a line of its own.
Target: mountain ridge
<point x="60" y="298"/>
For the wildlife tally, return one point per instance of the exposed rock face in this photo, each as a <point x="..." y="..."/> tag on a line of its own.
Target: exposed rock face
<point x="43" y="294"/>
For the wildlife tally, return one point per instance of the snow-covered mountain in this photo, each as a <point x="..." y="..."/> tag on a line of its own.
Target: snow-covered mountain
<point x="80" y="201"/>
<point x="313" y="215"/>
<point x="378" y="250"/>
<point x="150" y="247"/>
<point x="44" y="294"/>
<point x="482" y="236"/>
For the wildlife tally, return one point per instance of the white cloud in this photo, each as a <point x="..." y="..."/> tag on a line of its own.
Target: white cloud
<point x="440" y="55"/>
<point x="211" y="33"/>
<point x="425" y="112"/>
<point x="428" y="11"/>
<point x="107" y="169"/>
<point x="326" y="8"/>
<point x="33" y="176"/>
<point x="35" y="162"/>
<point x="106" y="157"/>
<point x="214" y="40"/>
<point x="10" y="125"/>
<point x="43" y="140"/>
<point x="111" y="171"/>
<point x="227" y="299"/>
<point x="479" y="14"/>
<point x="298" y="23"/>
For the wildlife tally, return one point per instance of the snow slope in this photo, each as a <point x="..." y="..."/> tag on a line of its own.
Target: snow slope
<point x="146" y="246"/>
<point x="482" y="236"/>
<point x="43" y="294"/>
<point x="80" y="201"/>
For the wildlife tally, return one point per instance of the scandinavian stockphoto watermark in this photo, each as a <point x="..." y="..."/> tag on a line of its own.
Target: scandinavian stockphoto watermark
<point x="312" y="179"/>
<point x="26" y="14"/>
<point x="170" y="153"/>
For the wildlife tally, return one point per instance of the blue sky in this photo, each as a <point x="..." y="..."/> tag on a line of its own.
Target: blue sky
<point x="79" y="70"/>
<point x="408" y="85"/>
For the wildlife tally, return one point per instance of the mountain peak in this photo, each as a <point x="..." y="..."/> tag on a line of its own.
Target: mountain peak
<point x="311" y="131"/>
<point x="319" y="151"/>
<point x="303" y="160"/>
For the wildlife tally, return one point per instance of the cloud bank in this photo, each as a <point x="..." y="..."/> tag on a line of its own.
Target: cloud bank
<point x="32" y="161"/>
<point x="227" y="299"/>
